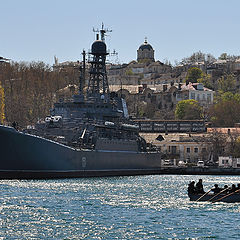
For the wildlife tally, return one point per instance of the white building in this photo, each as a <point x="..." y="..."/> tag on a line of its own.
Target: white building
<point x="228" y="162"/>
<point x="196" y="91"/>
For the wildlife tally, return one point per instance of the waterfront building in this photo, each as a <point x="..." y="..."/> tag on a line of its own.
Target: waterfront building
<point x="181" y="146"/>
<point x="228" y="162"/>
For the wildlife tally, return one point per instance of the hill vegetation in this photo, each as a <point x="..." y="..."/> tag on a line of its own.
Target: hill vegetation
<point x="29" y="90"/>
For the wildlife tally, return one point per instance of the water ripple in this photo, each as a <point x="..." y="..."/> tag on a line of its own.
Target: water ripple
<point x="142" y="207"/>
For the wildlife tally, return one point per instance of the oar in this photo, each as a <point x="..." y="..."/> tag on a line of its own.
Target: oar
<point x="218" y="193"/>
<point x="203" y="195"/>
<point x="226" y="196"/>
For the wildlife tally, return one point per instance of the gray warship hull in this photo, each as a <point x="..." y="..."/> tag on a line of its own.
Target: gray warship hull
<point x="26" y="156"/>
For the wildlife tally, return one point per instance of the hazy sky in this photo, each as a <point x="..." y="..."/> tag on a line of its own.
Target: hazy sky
<point x="38" y="30"/>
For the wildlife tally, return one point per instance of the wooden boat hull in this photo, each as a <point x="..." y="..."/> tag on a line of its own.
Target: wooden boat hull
<point x="219" y="198"/>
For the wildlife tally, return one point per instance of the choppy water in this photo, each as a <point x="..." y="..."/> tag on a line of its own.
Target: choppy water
<point x="141" y="207"/>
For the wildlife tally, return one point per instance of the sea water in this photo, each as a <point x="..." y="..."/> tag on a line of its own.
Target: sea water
<point x="137" y="207"/>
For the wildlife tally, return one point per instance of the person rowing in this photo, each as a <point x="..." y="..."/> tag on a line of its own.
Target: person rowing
<point x="226" y="194"/>
<point x="191" y="187"/>
<point x="216" y="189"/>
<point x="233" y="188"/>
<point x="199" y="187"/>
<point x="226" y="188"/>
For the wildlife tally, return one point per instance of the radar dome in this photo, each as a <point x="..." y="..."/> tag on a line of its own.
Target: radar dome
<point x="99" y="48"/>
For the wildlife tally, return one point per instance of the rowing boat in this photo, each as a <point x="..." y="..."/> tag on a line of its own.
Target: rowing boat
<point x="229" y="198"/>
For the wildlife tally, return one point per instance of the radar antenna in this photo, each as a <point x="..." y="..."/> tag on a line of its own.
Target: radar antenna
<point x="102" y="32"/>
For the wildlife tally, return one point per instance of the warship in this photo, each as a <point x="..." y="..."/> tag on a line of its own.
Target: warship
<point x="89" y="135"/>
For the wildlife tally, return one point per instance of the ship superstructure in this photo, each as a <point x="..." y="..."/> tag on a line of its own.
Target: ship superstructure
<point x="97" y="114"/>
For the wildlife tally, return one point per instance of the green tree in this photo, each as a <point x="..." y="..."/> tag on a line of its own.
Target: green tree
<point x="223" y="56"/>
<point x="225" y="111"/>
<point x="227" y="83"/>
<point x="227" y="97"/>
<point x="188" y="110"/>
<point x="206" y="81"/>
<point x="129" y="72"/>
<point x="227" y="57"/>
<point x="198" y="57"/>
<point x="193" y="75"/>
<point x="2" y="105"/>
<point x="236" y="148"/>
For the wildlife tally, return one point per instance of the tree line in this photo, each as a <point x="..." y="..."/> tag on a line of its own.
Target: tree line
<point x="28" y="90"/>
<point x="206" y="58"/>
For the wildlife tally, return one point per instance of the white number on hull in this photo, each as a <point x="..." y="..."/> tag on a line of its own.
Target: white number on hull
<point x="84" y="162"/>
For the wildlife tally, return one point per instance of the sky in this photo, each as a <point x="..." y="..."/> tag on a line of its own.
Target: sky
<point x="32" y="30"/>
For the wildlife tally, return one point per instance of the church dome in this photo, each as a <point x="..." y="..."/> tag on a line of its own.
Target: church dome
<point x="145" y="52"/>
<point x="146" y="46"/>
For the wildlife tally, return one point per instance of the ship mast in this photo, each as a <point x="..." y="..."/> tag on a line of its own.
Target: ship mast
<point x="82" y="74"/>
<point x="98" y="83"/>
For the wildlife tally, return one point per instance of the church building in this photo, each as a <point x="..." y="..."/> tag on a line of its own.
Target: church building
<point x="145" y="52"/>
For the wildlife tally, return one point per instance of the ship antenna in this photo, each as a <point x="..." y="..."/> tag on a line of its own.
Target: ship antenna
<point x="102" y="32"/>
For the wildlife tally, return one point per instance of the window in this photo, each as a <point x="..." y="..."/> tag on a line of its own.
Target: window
<point x="196" y="150"/>
<point x="160" y="105"/>
<point x="174" y="149"/>
<point x="192" y="95"/>
<point x="204" y="150"/>
<point x="188" y="150"/>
